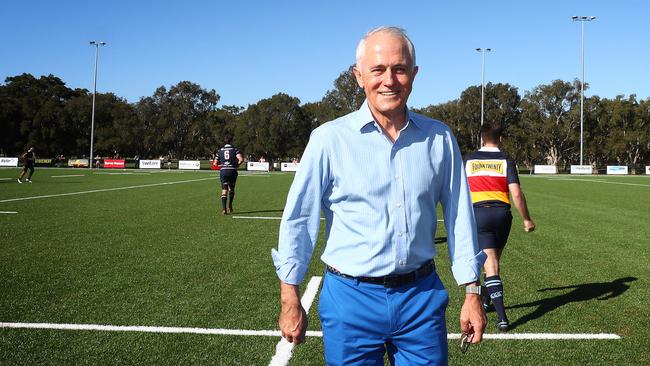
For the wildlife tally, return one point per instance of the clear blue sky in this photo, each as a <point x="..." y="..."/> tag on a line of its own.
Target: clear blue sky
<point x="249" y="50"/>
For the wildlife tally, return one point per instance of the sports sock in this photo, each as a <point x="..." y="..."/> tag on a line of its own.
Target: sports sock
<point x="495" y="289"/>
<point x="486" y="295"/>
<point x="223" y="201"/>
<point x="231" y="195"/>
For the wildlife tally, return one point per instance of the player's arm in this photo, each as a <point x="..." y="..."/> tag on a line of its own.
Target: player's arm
<point x="519" y="200"/>
<point x="240" y="159"/>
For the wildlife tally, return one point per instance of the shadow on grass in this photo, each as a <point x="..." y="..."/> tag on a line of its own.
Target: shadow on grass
<point x="440" y="240"/>
<point x="583" y="292"/>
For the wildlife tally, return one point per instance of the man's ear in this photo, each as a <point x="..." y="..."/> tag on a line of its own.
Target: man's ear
<point x="357" y="75"/>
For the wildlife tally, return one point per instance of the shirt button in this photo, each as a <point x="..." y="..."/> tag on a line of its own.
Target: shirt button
<point x="398" y="205"/>
<point x="397" y="177"/>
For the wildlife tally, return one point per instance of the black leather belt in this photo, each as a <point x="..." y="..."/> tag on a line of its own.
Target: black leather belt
<point x="391" y="281"/>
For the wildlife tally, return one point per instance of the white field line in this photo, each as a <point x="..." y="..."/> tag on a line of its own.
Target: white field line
<point x="602" y="181"/>
<point x="125" y="173"/>
<point x="8" y="212"/>
<point x="103" y="190"/>
<point x="6" y="178"/>
<point x="276" y="333"/>
<point x="66" y="176"/>
<point x="284" y="349"/>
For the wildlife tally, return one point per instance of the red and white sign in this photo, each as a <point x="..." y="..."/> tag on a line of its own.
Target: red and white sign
<point x="214" y="165"/>
<point x="114" y="163"/>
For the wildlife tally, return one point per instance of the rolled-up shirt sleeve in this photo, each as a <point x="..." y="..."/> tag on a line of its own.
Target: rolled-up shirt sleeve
<point x="466" y="258"/>
<point x="301" y="217"/>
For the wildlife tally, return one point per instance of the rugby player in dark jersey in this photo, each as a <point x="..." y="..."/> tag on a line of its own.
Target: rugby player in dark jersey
<point x="30" y="158"/>
<point x="229" y="158"/>
<point x="493" y="180"/>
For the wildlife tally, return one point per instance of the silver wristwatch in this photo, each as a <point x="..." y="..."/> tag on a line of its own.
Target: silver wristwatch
<point x="473" y="289"/>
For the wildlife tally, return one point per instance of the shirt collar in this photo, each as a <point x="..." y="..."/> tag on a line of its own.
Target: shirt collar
<point x="363" y="117"/>
<point x="489" y="149"/>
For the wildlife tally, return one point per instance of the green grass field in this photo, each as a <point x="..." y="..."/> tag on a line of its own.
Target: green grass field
<point x="141" y="248"/>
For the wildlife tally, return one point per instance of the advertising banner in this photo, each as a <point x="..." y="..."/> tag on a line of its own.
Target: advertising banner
<point x="214" y="165"/>
<point x="289" y="167"/>
<point x="189" y="164"/>
<point x="545" y="169"/>
<point x="258" y="166"/>
<point x="647" y="169"/>
<point x="78" y="163"/>
<point x="8" y="161"/>
<point x="581" y="169"/>
<point x="114" y="163"/>
<point x="617" y="170"/>
<point x="43" y="161"/>
<point x="149" y="164"/>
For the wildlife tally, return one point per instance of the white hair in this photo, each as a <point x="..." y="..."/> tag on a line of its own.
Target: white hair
<point x="393" y="31"/>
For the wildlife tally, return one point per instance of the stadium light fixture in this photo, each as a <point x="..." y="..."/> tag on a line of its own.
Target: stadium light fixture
<point x="582" y="19"/>
<point x="92" y="118"/>
<point x="482" y="51"/>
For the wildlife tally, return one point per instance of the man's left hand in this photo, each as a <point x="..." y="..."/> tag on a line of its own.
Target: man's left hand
<point x="472" y="317"/>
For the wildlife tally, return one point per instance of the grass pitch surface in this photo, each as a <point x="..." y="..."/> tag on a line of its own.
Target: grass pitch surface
<point x="140" y="248"/>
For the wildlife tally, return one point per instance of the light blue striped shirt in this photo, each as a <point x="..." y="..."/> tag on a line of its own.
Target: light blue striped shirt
<point x="379" y="200"/>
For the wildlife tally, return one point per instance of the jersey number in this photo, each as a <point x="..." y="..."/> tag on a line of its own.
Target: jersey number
<point x="226" y="155"/>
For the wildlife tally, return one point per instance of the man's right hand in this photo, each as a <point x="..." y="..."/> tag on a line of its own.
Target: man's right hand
<point x="293" y="318"/>
<point x="529" y="225"/>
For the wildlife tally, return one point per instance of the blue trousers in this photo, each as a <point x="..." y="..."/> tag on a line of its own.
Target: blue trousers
<point x="362" y="321"/>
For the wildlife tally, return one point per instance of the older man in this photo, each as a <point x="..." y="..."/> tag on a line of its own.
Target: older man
<point x="378" y="174"/>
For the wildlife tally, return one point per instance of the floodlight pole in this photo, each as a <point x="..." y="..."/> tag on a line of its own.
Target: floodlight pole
<point x="482" y="51"/>
<point x="92" y="119"/>
<point x="582" y="20"/>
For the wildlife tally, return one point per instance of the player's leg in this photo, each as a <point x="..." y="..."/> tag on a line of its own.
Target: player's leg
<point x="22" y="174"/>
<point x="224" y="193"/>
<point x="31" y="172"/>
<point x="231" y="191"/>
<point x="493" y="282"/>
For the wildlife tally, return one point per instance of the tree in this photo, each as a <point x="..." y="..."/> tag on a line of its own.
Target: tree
<point x="550" y="112"/>
<point x="276" y="127"/>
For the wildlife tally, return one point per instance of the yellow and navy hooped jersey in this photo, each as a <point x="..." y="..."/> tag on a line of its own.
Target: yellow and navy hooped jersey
<point x="489" y="171"/>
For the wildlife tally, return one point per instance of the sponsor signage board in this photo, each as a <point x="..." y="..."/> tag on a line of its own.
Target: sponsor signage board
<point x="581" y="169"/>
<point x="149" y="164"/>
<point x="617" y="170"/>
<point x="258" y="166"/>
<point x="8" y="161"/>
<point x="114" y="163"/>
<point x="647" y="169"/>
<point x="78" y="163"/>
<point x="545" y="169"/>
<point x="189" y="164"/>
<point x="214" y="165"/>
<point x="289" y="167"/>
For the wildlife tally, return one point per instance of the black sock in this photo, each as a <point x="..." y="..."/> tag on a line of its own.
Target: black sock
<point x="223" y="201"/>
<point x="495" y="289"/>
<point x="231" y="195"/>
